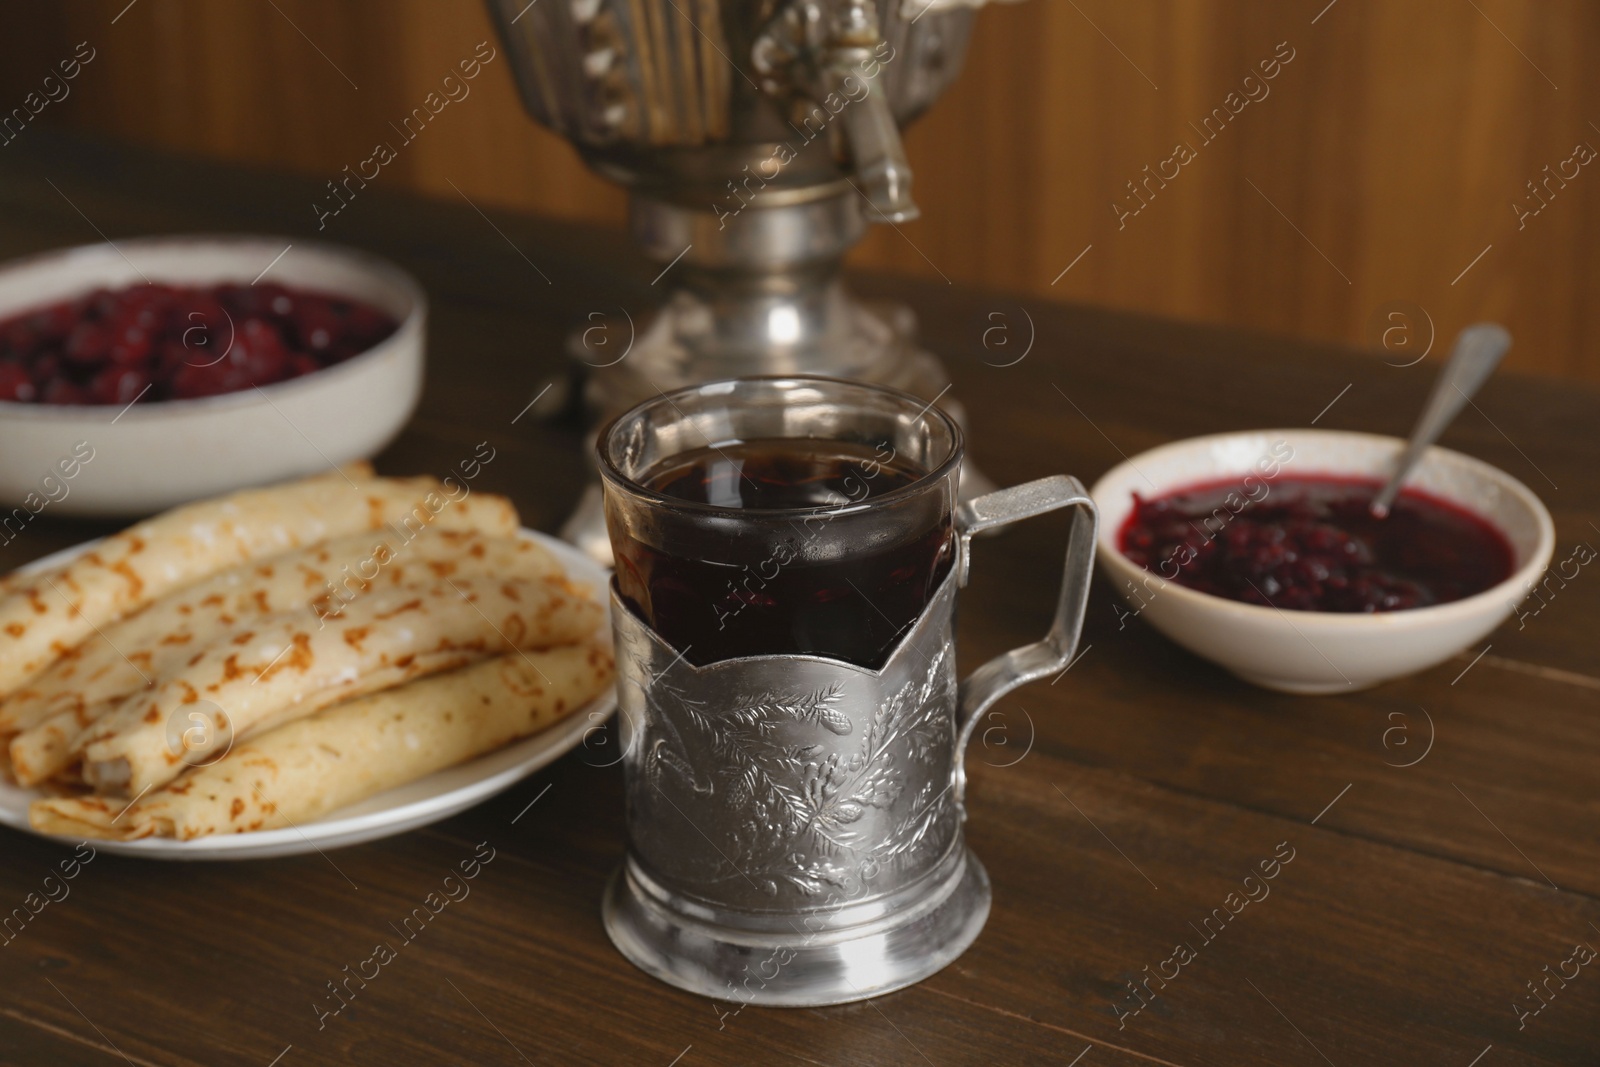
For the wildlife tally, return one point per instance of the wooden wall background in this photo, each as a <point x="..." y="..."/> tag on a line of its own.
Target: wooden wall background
<point x="1384" y="162"/>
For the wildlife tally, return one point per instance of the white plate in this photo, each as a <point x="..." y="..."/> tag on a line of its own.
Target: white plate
<point x="406" y="807"/>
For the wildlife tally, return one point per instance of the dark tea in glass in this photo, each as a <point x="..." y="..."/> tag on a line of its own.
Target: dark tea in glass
<point x="810" y="517"/>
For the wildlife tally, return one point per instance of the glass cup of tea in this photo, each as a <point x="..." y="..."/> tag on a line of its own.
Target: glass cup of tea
<point x="788" y="552"/>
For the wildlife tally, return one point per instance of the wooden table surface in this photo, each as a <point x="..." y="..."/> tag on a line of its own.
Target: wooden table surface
<point x="1114" y="808"/>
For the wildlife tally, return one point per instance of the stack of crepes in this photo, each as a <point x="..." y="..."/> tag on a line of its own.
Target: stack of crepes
<point x="264" y="658"/>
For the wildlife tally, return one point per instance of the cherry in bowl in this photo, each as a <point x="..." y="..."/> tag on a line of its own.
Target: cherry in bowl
<point x="154" y="341"/>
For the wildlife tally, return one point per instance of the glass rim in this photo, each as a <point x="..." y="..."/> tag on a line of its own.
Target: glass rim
<point x="611" y="474"/>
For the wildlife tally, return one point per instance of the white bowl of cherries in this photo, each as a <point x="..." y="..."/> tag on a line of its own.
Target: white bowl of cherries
<point x="140" y="374"/>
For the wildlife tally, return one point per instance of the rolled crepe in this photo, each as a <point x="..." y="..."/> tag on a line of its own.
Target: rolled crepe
<point x="289" y="668"/>
<point x="46" y="618"/>
<point x="150" y="646"/>
<point x="346" y="753"/>
<point x="144" y="647"/>
<point x="45" y="749"/>
<point x="10" y="583"/>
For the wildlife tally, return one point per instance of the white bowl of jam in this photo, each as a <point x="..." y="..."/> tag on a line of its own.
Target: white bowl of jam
<point x="1256" y="550"/>
<point x="142" y="374"/>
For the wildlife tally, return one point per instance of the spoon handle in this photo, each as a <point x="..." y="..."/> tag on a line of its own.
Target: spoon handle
<point x="1478" y="351"/>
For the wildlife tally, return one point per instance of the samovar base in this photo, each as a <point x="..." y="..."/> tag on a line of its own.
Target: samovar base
<point x="809" y="959"/>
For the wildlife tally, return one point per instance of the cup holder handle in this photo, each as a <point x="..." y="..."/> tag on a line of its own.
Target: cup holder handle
<point x="1054" y="652"/>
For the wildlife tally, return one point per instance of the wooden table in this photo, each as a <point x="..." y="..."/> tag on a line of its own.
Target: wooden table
<point x="1115" y="808"/>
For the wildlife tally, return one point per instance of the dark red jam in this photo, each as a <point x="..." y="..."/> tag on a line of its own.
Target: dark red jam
<point x="1310" y="544"/>
<point x="166" y="342"/>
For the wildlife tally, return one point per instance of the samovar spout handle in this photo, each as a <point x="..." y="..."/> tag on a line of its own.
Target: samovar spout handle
<point x="835" y="56"/>
<point x="877" y="153"/>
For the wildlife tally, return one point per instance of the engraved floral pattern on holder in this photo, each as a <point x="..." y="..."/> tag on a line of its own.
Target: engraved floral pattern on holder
<point x="797" y="796"/>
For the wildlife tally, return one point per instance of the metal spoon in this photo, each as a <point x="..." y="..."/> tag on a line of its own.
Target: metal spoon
<point x="1478" y="351"/>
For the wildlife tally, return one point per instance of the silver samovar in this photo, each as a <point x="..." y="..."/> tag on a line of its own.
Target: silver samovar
<point x="756" y="138"/>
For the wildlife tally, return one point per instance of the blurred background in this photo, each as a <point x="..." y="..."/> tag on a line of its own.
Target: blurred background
<point x="1413" y="165"/>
